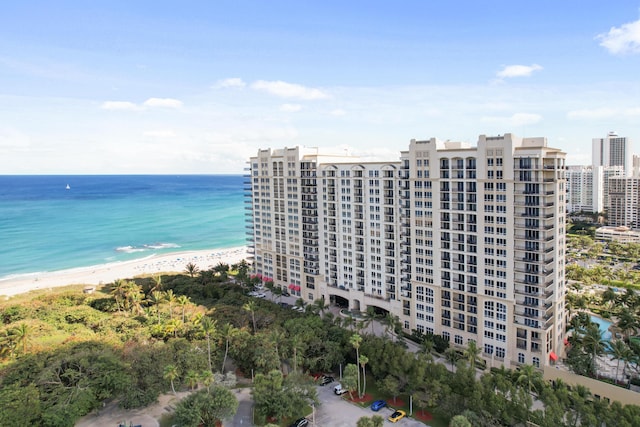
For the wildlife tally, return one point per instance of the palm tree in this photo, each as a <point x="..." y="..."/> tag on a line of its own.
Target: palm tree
<point x="191" y="269"/>
<point x="369" y="316"/>
<point x="191" y="378"/>
<point x="593" y="343"/>
<point x="23" y="335"/>
<point x="451" y="355"/>
<point x="8" y="343"/>
<point x="355" y="341"/>
<point x="208" y="327"/>
<point x="392" y="324"/>
<point x="619" y="350"/>
<point x="136" y="300"/>
<point x="608" y="297"/>
<point x="363" y="362"/>
<point x="427" y="348"/>
<point x="183" y="301"/>
<point x="471" y="353"/>
<point x="222" y="269"/>
<point x="528" y="377"/>
<point x="171" y="373"/>
<point x="207" y="379"/>
<point x="156" y="298"/>
<point x="227" y="333"/>
<point x="627" y="322"/>
<point x="206" y="276"/>
<point x="250" y="306"/>
<point x="157" y="283"/>
<point x="173" y="326"/>
<point x="320" y="305"/>
<point x="118" y="291"/>
<point x="242" y="268"/>
<point x="171" y="298"/>
<point x="276" y="336"/>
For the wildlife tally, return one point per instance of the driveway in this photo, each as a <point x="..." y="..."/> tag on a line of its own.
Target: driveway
<point x="337" y="411"/>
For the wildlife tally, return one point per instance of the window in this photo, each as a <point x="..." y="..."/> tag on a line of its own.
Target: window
<point x="488" y="349"/>
<point x="500" y="352"/>
<point x="458" y="340"/>
<point x="536" y="362"/>
<point x="520" y="357"/>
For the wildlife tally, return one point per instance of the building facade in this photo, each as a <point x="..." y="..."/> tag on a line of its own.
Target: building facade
<point x="613" y="150"/>
<point x="582" y="184"/>
<point x="460" y="241"/>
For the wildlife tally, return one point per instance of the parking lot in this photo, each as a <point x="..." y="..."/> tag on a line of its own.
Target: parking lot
<point x="337" y="411"/>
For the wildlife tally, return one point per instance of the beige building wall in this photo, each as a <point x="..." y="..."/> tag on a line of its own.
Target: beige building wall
<point x="599" y="389"/>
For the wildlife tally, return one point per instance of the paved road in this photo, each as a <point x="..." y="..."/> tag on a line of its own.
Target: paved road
<point x="336" y="411"/>
<point x="333" y="411"/>
<point x="243" y="417"/>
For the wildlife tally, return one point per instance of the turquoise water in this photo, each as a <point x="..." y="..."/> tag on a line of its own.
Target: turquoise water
<point x="46" y="227"/>
<point x="603" y="325"/>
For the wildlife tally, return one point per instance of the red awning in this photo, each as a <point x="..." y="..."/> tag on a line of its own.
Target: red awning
<point x="553" y="356"/>
<point x="566" y="341"/>
<point x="297" y="288"/>
<point x="291" y="286"/>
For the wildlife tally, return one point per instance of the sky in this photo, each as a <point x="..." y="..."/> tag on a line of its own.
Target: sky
<point x="177" y="87"/>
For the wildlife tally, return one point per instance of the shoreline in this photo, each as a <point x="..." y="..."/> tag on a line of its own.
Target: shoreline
<point x="173" y="262"/>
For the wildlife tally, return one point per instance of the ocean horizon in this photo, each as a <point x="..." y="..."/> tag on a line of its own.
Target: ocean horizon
<point x="59" y="222"/>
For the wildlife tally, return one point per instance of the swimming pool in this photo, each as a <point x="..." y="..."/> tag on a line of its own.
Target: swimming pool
<point x="603" y="325"/>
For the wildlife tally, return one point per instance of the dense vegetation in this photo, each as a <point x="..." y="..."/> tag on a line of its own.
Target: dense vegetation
<point x="65" y="353"/>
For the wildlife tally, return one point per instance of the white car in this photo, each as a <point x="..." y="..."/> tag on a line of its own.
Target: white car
<point x="260" y="295"/>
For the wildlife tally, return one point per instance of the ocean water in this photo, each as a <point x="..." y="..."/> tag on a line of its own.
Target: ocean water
<point x="45" y="226"/>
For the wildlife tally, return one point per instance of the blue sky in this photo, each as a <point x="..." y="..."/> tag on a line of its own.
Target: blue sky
<point x="199" y="86"/>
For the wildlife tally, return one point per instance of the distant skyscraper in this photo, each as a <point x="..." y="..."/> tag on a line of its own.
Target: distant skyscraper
<point x="581" y="188"/>
<point x="611" y="158"/>
<point x="613" y="150"/>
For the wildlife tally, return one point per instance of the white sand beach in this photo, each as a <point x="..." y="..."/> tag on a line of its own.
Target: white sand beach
<point x="174" y="262"/>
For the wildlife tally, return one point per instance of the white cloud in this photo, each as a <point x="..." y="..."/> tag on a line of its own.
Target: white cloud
<point x="289" y="90"/>
<point x="163" y="103"/>
<point x="597" y="113"/>
<point x="520" y="119"/>
<point x="290" y="108"/>
<point x="160" y="133"/>
<point x="119" y="105"/>
<point x="510" y="71"/>
<point x="603" y="113"/>
<point x="517" y="119"/>
<point x="622" y="40"/>
<point x="230" y="82"/>
<point x="13" y="138"/>
<point x="338" y="112"/>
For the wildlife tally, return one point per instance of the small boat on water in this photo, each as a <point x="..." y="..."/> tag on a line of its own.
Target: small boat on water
<point x="68" y="187"/>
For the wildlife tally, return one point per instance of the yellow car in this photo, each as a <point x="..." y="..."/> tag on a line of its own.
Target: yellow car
<point x="397" y="416"/>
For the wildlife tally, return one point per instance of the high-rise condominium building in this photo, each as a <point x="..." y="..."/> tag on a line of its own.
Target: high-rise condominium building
<point x="581" y="188"/>
<point x="613" y="150"/>
<point x="465" y="242"/>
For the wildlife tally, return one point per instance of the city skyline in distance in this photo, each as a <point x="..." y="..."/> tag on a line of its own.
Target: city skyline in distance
<point x="163" y="88"/>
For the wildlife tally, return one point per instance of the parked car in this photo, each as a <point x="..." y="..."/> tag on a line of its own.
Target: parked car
<point x="260" y="295"/>
<point x="339" y="390"/>
<point x="397" y="416"/>
<point x="300" y="422"/>
<point x="326" y="380"/>
<point x="378" y="404"/>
